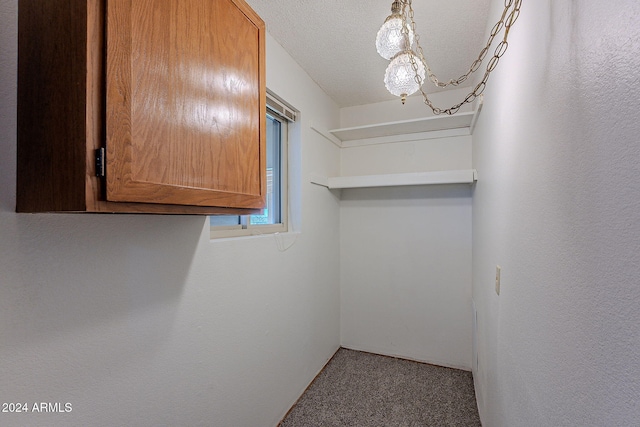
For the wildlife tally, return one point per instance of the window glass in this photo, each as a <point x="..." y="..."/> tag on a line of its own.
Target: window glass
<point x="272" y="212"/>
<point x="274" y="217"/>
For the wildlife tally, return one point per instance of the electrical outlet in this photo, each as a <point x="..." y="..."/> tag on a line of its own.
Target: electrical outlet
<point x="498" y="268"/>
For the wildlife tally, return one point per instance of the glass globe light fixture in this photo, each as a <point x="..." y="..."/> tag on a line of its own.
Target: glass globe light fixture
<point x="400" y="78"/>
<point x="390" y="40"/>
<point x="406" y="72"/>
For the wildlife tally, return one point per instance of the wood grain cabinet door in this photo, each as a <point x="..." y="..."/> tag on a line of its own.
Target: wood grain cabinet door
<point x="185" y="105"/>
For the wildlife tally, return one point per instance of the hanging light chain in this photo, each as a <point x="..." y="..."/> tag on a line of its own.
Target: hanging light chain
<point x="506" y="21"/>
<point x="476" y="64"/>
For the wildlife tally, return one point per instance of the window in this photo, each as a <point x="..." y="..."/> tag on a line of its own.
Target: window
<point x="274" y="217"/>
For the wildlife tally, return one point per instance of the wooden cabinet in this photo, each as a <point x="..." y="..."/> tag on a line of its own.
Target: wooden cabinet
<point x="171" y="92"/>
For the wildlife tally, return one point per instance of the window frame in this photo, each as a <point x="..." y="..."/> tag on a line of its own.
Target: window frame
<point x="284" y="114"/>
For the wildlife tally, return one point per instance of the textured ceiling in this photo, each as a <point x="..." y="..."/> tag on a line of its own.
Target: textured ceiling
<point x="334" y="40"/>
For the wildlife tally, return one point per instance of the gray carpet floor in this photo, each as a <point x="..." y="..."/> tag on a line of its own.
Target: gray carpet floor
<point x="363" y="389"/>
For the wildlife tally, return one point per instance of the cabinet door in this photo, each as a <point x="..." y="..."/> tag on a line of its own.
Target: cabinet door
<point x="185" y="118"/>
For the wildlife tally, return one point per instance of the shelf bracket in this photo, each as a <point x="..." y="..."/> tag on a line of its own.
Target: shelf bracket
<point x="329" y="137"/>
<point x="319" y="180"/>
<point x="476" y="113"/>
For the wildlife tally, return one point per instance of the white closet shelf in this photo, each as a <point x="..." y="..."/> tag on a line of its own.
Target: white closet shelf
<point x="466" y="176"/>
<point x="426" y="124"/>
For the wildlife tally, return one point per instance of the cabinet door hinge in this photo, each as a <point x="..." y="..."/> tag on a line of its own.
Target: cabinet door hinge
<point x="100" y="162"/>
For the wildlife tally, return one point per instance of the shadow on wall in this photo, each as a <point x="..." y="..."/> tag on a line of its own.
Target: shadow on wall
<point x="64" y="274"/>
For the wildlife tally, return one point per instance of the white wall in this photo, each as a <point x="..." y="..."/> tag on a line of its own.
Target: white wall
<point x="394" y="110"/>
<point x="141" y="320"/>
<point x="406" y="272"/>
<point x="557" y="206"/>
<point x="406" y="251"/>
